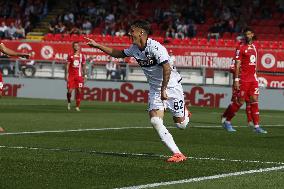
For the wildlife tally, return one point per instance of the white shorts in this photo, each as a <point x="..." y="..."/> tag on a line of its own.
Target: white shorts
<point x="175" y="102"/>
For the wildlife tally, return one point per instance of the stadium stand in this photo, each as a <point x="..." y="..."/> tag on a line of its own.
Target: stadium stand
<point x="109" y="20"/>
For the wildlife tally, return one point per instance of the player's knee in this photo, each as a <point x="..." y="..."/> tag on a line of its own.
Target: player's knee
<point x="156" y="121"/>
<point x="183" y="124"/>
<point x="241" y="101"/>
<point x="253" y="99"/>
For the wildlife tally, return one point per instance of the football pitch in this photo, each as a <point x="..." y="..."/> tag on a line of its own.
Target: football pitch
<point x="112" y="145"/>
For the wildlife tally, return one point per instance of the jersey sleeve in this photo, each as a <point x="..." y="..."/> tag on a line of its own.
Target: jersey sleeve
<point x="68" y="58"/>
<point x="161" y="54"/>
<point x="238" y="53"/>
<point x="129" y="51"/>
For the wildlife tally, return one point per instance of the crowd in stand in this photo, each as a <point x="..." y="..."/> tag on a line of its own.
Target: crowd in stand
<point x="19" y="16"/>
<point x="112" y="17"/>
<point x="174" y="19"/>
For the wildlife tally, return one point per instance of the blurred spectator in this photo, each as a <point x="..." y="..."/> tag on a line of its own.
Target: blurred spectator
<point x="170" y="32"/>
<point x="215" y="31"/>
<point x="75" y="29"/>
<point x="20" y="32"/>
<point x="120" y="27"/>
<point x="60" y="28"/>
<point x="182" y="29"/>
<point x="280" y="5"/>
<point x="68" y="18"/>
<point x="109" y="25"/>
<point x="266" y="13"/>
<point x="3" y="30"/>
<point x="122" y="70"/>
<point x="191" y="29"/>
<point x="111" y="70"/>
<point x="11" y="31"/>
<point x="87" y="26"/>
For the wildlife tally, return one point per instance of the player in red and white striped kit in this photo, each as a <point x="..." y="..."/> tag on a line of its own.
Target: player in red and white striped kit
<point x="75" y="74"/>
<point x="235" y="95"/>
<point x="246" y="81"/>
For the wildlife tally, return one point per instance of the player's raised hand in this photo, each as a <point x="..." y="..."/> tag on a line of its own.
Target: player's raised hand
<point x="91" y="42"/>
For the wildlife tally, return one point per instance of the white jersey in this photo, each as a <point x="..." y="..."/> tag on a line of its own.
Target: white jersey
<point x="151" y="59"/>
<point x="172" y="60"/>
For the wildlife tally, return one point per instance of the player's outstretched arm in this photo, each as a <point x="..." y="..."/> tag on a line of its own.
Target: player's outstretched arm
<point x="237" y="75"/>
<point x="110" y="51"/>
<point x="67" y="70"/>
<point x="10" y="52"/>
<point x="166" y="78"/>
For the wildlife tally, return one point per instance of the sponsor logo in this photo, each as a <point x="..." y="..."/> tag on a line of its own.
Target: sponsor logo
<point x="11" y="89"/>
<point x="277" y="84"/>
<point x="198" y="97"/>
<point x="24" y="46"/>
<point x="262" y="82"/>
<point x="47" y="52"/>
<point x="268" y="60"/>
<point x="127" y="93"/>
<point x="76" y="63"/>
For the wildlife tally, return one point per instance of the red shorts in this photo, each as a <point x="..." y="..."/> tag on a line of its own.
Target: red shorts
<point x="75" y="82"/>
<point x="248" y="89"/>
<point x="1" y="82"/>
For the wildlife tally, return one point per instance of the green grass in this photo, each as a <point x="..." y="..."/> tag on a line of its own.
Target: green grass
<point x="95" y="159"/>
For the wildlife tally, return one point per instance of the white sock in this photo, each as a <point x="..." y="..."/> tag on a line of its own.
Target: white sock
<point x="164" y="134"/>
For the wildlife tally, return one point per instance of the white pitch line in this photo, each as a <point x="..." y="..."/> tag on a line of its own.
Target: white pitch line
<point x="198" y="179"/>
<point x="115" y="128"/>
<point x="139" y="154"/>
<point x="241" y="113"/>
<point x="72" y="130"/>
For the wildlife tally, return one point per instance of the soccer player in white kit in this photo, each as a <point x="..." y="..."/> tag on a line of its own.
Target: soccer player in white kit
<point x="165" y="87"/>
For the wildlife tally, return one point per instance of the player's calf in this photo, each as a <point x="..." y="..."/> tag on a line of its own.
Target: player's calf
<point x="182" y="123"/>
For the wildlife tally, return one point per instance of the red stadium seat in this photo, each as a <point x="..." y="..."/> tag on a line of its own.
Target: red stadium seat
<point x="265" y="44"/>
<point x="212" y="43"/>
<point x="117" y="39"/>
<point x="74" y="37"/>
<point x="49" y="37"/>
<point x="66" y="37"/>
<point x="194" y="42"/>
<point x="57" y="37"/>
<point x="281" y="45"/>
<point x="125" y="39"/>
<point x="97" y="37"/>
<point x="159" y="39"/>
<point x="108" y="39"/>
<point x="227" y="35"/>
<point x="230" y="43"/>
<point x="275" y="45"/>
<point x="203" y="42"/>
<point x="220" y="43"/>
<point x="185" y="41"/>
<point x="81" y="38"/>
